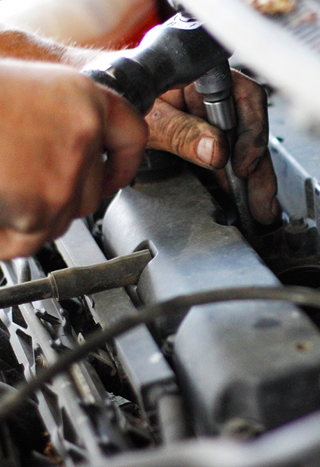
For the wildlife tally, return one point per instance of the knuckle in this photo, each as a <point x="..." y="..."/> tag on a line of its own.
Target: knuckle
<point x="244" y="167"/>
<point x="182" y="133"/>
<point x="79" y="101"/>
<point x="88" y="124"/>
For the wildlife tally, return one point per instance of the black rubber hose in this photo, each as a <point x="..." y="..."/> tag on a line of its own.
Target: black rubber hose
<point x="297" y="295"/>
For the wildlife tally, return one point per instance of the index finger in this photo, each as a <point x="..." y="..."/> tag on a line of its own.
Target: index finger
<point x="252" y="126"/>
<point x="251" y="158"/>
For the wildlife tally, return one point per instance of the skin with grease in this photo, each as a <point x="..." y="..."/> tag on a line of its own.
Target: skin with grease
<point x="177" y="123"/>
<point x="55" y="124"/>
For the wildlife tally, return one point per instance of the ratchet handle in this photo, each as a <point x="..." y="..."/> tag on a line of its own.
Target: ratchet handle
<point x="175" y="53"/>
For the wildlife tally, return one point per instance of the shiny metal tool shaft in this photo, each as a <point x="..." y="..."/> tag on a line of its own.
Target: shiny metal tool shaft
<point x="215" y="86"/>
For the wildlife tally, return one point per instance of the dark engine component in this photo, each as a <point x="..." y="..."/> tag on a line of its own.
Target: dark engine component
<point x="249" y="362"/>
<point x="247" y="369"/>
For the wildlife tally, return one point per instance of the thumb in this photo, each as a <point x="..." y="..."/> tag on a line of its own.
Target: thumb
<point x="186" y="135"/>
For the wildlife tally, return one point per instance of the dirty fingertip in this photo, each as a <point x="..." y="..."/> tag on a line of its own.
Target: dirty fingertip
<point x="265" y="213"/>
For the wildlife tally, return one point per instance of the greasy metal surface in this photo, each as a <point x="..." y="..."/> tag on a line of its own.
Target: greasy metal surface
<point x="192" y="252"/>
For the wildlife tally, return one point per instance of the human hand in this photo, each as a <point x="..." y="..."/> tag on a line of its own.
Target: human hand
<point x="54" y="125"/>
<point x="172" y="128"/>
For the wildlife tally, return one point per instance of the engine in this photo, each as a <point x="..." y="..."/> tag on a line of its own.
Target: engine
<point x="173" y="374"/>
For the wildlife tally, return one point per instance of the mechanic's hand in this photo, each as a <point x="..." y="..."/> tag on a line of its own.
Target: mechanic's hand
<point x="190" y="137"/>
<point x="54" y="124"/>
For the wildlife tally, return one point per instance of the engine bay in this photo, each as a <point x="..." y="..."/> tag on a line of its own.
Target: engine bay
<point x="178" y="375"/>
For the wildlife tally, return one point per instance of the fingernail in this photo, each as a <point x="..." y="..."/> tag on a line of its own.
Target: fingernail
<point x="205" y="150"/>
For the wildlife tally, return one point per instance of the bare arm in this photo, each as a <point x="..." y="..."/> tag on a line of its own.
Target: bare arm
<point x="25" y="45"/>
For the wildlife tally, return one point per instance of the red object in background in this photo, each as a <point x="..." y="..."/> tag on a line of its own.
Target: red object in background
<point x="159" y="12"/>
<point x="133" y="40"/>
<point x="162" y="11"/>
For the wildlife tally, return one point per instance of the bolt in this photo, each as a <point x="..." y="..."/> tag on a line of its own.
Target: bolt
<point x="168" y="347"/>
<point x="298" y="223"/>
<point x="241" y="428"/>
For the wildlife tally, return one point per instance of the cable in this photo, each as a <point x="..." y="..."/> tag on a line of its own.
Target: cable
<point x="298" y="295"/>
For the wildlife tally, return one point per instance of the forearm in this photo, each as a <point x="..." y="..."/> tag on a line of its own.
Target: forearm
<point x="28" y="46"/>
